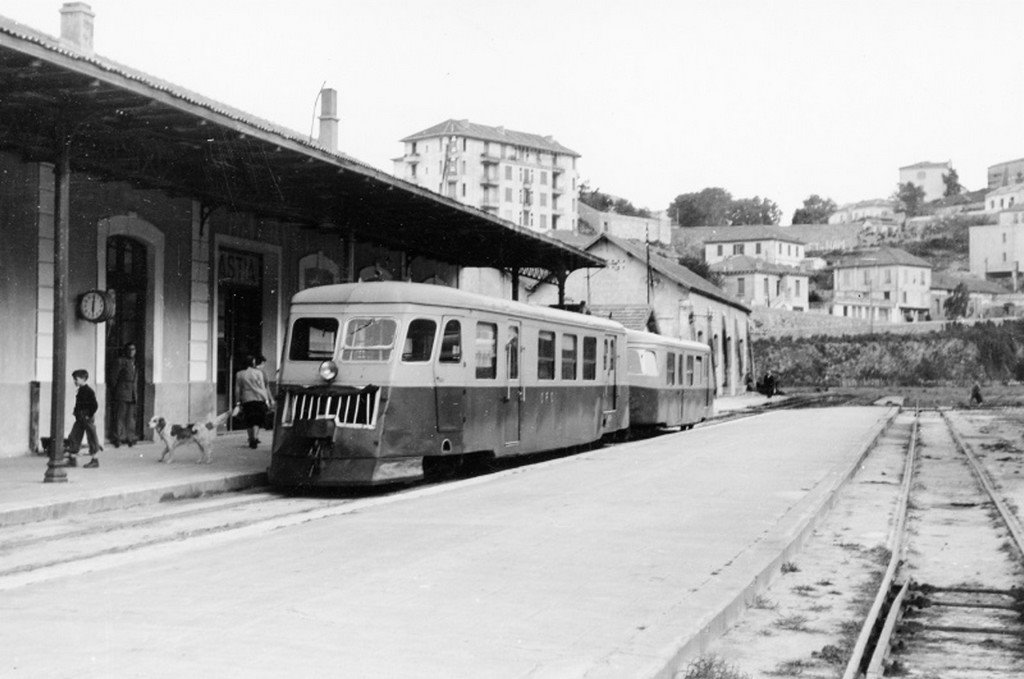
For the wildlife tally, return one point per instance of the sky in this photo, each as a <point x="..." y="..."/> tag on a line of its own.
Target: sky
<point x="778" y="99"/>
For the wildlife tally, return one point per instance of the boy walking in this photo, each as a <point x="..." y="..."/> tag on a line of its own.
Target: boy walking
<point x="85" y="409"/>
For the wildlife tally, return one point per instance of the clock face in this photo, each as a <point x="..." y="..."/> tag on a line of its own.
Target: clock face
<point x="93" y="306"/>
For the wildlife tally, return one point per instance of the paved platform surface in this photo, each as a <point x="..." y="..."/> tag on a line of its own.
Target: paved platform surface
<point x="128" y="476"/>
<point x="613" y="563"/>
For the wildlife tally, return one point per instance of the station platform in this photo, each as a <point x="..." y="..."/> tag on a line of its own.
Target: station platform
<point x="620" y="562"/>
<point x="130" y="476"/>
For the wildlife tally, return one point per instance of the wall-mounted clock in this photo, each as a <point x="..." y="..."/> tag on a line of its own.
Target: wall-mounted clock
<point x="96" y="306"/>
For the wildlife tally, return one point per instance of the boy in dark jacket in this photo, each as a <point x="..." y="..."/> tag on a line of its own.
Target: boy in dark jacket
<point x="85" y="409"/>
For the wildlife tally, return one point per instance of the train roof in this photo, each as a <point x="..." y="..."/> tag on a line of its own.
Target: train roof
<point x="653" y="338"/>
<point x="395" y="292"/>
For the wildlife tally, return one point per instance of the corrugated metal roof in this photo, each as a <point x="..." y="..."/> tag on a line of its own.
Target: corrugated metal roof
<point x="464" y="128"/>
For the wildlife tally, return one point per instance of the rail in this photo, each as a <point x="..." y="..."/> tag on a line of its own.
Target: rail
<point x="865" y="653"/>
<point x="875" y="640"/>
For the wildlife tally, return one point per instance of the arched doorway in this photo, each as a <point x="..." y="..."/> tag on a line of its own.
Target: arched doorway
<point x="239" y="318"/>
<point x="128" y="280"/>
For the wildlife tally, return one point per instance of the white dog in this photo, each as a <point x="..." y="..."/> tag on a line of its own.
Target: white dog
<point x="201" y="433"/>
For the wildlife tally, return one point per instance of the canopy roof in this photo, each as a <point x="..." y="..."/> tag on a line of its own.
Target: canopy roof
<point x="127" y="125"/>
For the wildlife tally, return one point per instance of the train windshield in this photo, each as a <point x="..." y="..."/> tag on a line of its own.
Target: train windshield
<point x="642" y="362"/>
<point x="369" y="339"/>
<point x="313" y="339"/>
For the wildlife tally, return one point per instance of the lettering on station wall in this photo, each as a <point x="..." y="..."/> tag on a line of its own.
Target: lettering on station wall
<point x="240" y="268"/>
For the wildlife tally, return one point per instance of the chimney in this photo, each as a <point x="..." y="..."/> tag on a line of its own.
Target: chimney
<point x="329" y="119"/>
<point x="76" y="26"/>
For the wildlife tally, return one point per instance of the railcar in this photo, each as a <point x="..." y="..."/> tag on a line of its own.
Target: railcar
<point x="669" y="381"/>
<point x="377" y="378"/>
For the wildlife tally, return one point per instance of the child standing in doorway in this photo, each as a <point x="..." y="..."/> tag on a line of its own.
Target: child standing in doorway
<point x="85" y="410"/>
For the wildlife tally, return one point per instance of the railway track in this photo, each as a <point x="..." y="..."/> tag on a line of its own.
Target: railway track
<point x="950" y="603"/>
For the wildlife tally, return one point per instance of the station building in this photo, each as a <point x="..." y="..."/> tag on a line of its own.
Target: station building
<point x="192" y="223"/>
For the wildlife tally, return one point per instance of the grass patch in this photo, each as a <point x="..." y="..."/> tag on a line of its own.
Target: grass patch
<point x="763" y="603"/>
<point x="803" y="590"/>
<point x="793" y="623"/>
<point x="790" y="567"/>
<point x="712" y="667"/>
<point x="790" y="668"/>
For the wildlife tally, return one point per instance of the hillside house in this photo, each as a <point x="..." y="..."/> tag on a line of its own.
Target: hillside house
<point x="759" y="283"/>
<point x="884" y="285"/>
<point x="769" y="243"/>
<point x="997" y="250"/>
<point x="877" y="208"/>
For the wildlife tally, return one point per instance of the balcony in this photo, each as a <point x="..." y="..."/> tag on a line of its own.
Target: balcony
<point x="488" y="180"/>
<point x="489" y="204"/>
<point x="489" y="159"/>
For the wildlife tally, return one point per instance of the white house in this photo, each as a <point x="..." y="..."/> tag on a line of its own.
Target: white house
<point x="887" y="285"/>
<point x="769" y="243"/>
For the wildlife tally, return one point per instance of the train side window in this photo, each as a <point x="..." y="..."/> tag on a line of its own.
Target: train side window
<point x="486" y="350"/>
<point x="419" y="341"/>
<point x="689" y="370"/>
<point x="545" y="355"/>
<point x="642" y="362"/>
<point x="700" y="370"/>
<point x="512" y="348"/>
<point x="451" y="343"/>
<point x="313" y="339"/>
<point x="590" y="358"/>
<point x="568" y="357"/>
<point x="670" y="368"/>
<point x="681" y="380"/>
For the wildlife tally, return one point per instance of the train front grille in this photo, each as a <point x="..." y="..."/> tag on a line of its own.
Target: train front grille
<point x="346" y="408"/>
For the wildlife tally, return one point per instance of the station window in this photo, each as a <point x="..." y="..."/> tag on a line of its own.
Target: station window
<point x="313" y="339"/>
<point x="689" y="370"/>
<point x="670" y="368"/>
<point x="545" y="355"/>
<point x="568" y="357"/>
<point x="486" y="350"/>
<point x="451" y="343"/>
<point x="419" y="341"/>
<point x="369" y="339"/>
<point x="590" y="358"/>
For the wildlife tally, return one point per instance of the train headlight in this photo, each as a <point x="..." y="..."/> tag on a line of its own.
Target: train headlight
<point x="328" y="371"/>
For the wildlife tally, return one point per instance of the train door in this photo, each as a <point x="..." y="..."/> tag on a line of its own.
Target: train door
<point x="611" y="383"/>
<point x="514" y="386"/>
<point x="450" y="378"/>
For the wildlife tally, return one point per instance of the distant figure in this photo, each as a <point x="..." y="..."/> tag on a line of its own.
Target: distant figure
<point x="976" y="394"/>
<point x="769" y="384"/>
<point x="125" y="397"/>
<point x="85" y="409"/>
<point x="252" y="395"/>
<point x="749" y="381"/>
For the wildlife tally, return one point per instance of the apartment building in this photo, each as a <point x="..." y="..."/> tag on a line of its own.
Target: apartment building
<point x="1005" y="173"/>
<point x="525" y="178"/>
<point x="997" y="250"/>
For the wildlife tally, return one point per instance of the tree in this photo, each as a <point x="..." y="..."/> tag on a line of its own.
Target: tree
<point x="754" y="210"/>
<point x="698" y="266"/>
<point x="604" y="203"/>
<point x="952" y="182"/>
<point x="909" y="197"/>
<point x="816" y="210"/>
<point x="955" y="305"/>
<point x="709" y="207"/>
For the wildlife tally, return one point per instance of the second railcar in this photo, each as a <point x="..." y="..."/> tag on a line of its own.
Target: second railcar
<point x="669" y="381"/>
<point x="377" y="377"/>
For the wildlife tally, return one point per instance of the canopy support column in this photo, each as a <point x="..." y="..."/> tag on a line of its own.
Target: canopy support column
<point x="61" y="230"/>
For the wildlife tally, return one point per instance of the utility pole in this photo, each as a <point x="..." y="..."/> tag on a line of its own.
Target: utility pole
<point x="647" y="241"/>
